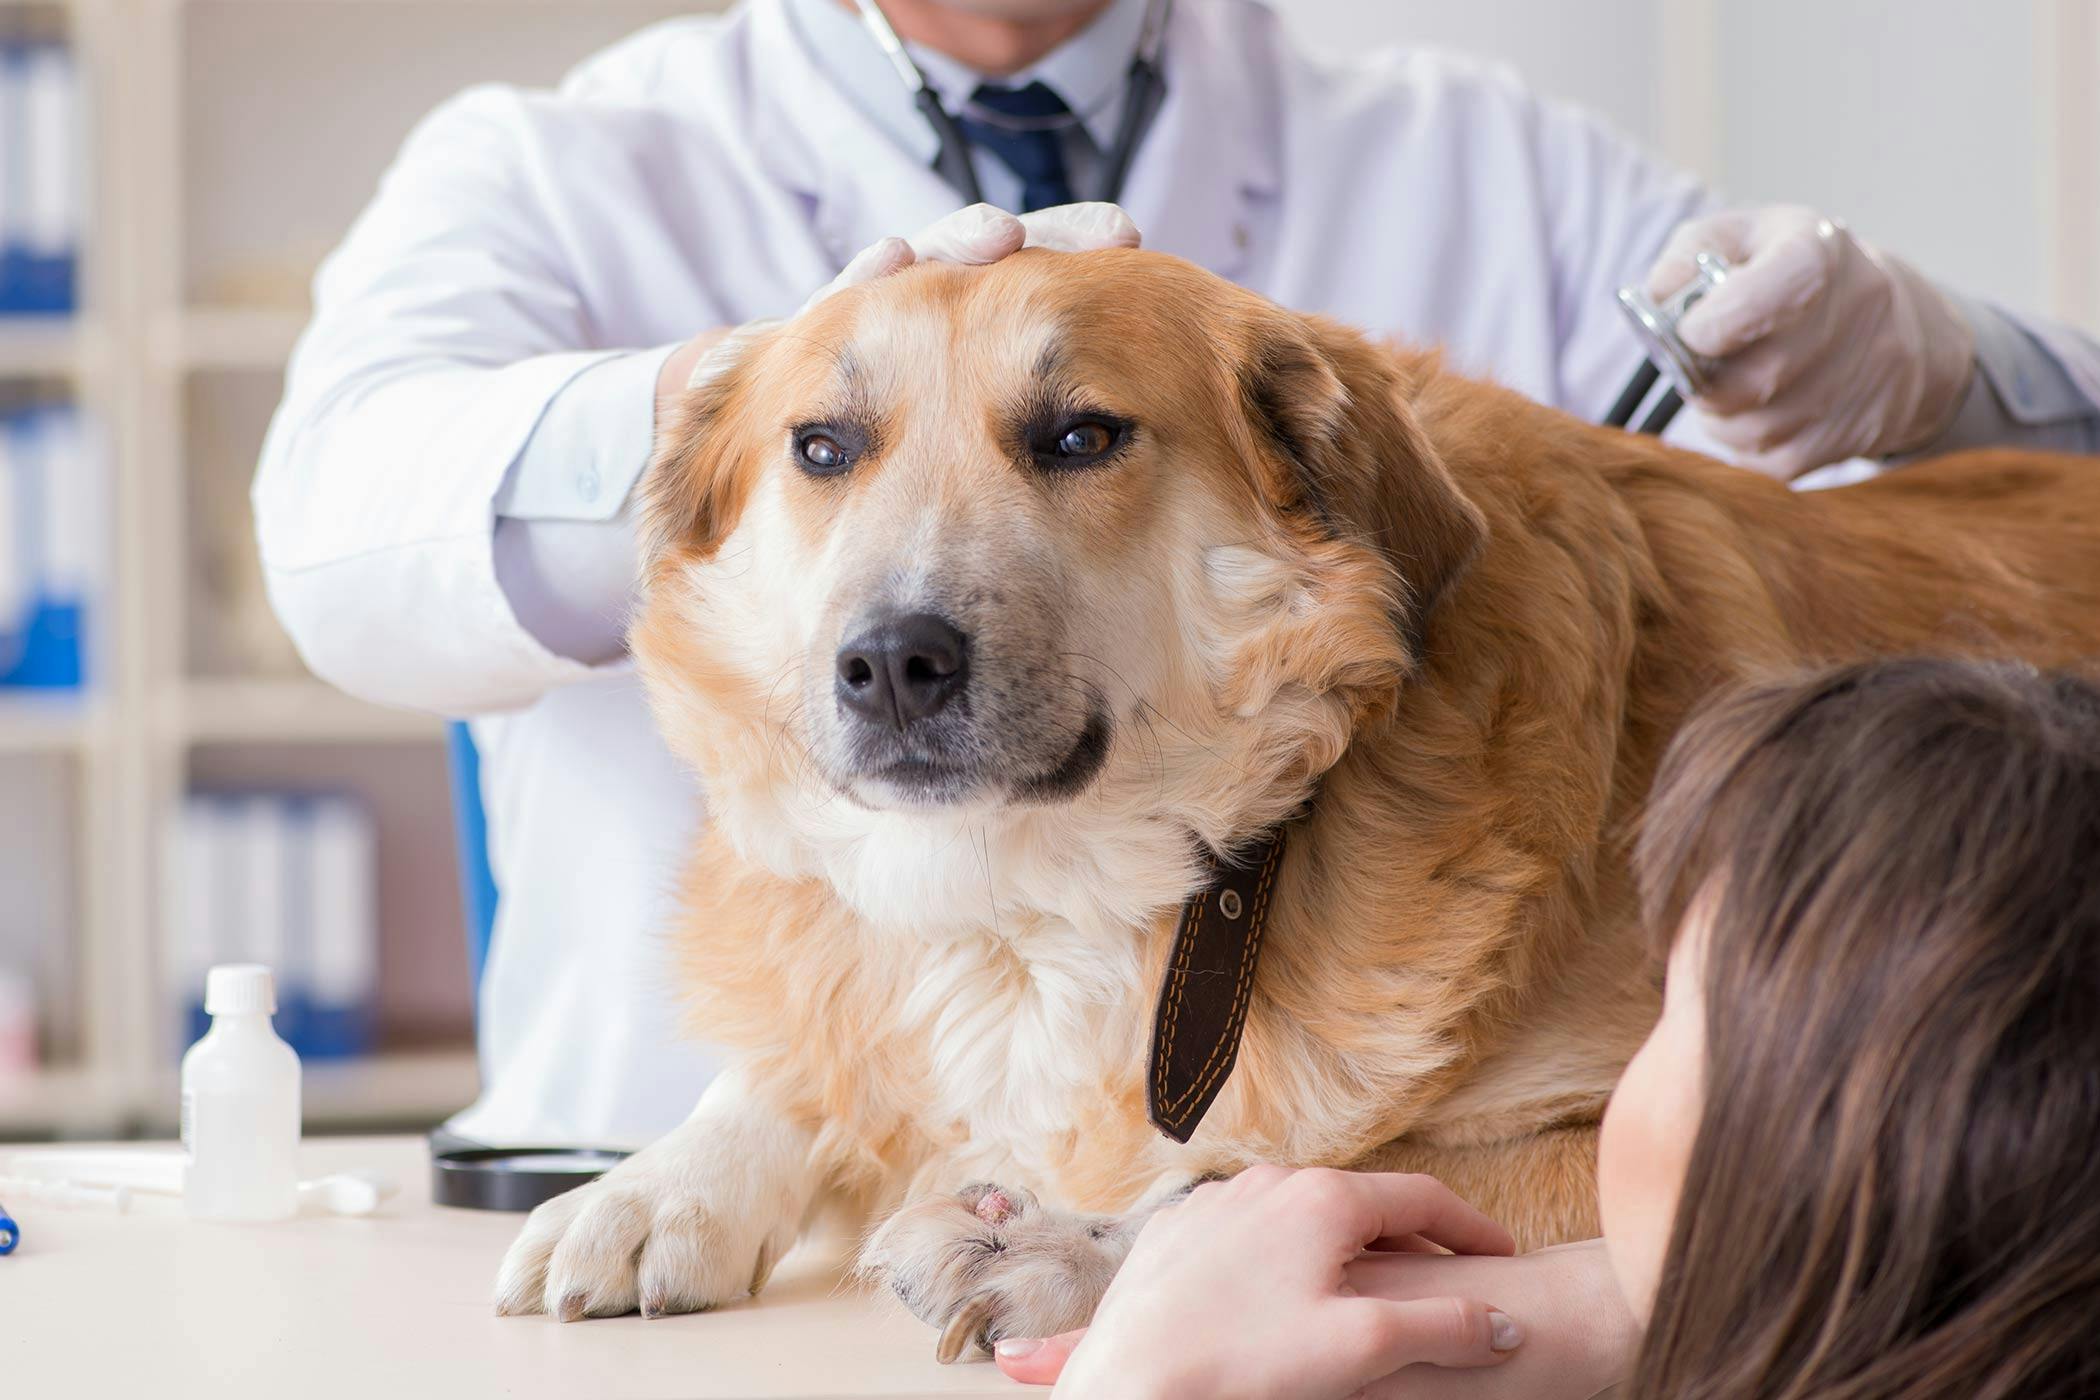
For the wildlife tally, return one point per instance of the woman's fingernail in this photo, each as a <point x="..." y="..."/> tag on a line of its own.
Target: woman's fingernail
<point x="1503" y="1332"/>
<point x="1014" y="1348"/>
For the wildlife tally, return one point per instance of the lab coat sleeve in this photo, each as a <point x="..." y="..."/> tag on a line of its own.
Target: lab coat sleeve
<point x="2037" y="385"/>
<point x="565" y="536"/>
<point x="1610" y="207"/>
<point x="445" y="334"/>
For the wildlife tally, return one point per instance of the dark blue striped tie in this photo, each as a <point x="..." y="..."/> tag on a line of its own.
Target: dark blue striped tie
<point x="1036" y="152"/>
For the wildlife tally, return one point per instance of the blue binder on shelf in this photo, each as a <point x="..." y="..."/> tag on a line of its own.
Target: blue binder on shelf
<point x="50" y="524"/>
<point x="50" y="486"/>
<point x="288" y="879"/>
<point x="41" y="179"/>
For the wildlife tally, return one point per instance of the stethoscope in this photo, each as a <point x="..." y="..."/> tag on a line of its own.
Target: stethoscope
<point x="1143" y="91"/>
<point x="1655" y="325"/>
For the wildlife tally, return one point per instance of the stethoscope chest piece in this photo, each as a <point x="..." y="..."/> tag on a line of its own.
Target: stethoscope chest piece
<point x="1656" y="325"/>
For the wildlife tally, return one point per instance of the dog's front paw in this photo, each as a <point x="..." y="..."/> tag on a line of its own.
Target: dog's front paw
<point x="647" y="1234"/>
<point x="991" y="1262"/>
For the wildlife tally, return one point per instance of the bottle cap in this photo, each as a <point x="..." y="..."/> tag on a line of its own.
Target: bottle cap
<point x="240" y="987"/>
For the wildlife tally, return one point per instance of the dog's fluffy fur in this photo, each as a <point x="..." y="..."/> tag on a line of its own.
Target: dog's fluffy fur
<point x="1459" y="625"/>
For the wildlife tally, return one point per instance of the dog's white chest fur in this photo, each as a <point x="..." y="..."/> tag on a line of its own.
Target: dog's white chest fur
<point x="1023" y="1030"/>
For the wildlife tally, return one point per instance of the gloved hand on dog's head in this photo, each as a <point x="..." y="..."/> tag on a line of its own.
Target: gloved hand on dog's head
<point x="971" y="236"/>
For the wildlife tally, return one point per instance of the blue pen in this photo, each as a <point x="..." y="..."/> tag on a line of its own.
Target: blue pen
<point x="10" y="1233"/>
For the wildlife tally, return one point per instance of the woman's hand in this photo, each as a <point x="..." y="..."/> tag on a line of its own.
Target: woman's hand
<point x="1245" y="1290"/>
<point x="1579" y="1337"/>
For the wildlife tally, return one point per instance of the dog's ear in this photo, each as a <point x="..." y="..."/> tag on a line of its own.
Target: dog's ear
<point x="1354" y="462"/>
<point x="694" y="489"/>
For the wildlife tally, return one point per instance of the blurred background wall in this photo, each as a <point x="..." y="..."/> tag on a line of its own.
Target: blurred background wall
<point x="1963" y="134"/>
<point x="162" y="753"/>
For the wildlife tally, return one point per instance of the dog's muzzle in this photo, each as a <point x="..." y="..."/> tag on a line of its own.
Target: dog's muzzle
<point x="916" y="723"/>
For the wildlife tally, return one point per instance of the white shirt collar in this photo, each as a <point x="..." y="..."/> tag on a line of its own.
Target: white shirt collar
<point x="1088" y="71"/>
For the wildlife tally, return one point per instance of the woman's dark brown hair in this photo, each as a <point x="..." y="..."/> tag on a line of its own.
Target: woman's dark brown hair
<point x="1895" y="1186"/>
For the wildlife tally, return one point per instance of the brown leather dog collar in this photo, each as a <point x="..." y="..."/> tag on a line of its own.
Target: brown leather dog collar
<point x="1208" y="983"/>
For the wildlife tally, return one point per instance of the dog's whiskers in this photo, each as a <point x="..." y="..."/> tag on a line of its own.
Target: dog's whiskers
<point x="1150" y="730"/>
<point x="991" y="893"/>
<point x="1141" y="705"/>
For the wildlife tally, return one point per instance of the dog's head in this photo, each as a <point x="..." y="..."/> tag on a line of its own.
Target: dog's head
<point x="1076" y="533"/>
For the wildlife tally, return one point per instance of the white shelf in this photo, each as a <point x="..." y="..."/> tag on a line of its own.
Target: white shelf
<point x="289" y="711"/>
<point x="37" y="723"/>
<point x="228" y="338"/>
<point x="41" y="347"/>
<point x="68" y="1102"/>
<point x="408" y="1086"/>
<point x="396" y="1088"/>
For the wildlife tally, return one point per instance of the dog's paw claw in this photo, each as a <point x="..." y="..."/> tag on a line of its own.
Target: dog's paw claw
<point x="989" y="1262"/>
<point x="965" y="1328"/>
<point x="637" y="1239"/>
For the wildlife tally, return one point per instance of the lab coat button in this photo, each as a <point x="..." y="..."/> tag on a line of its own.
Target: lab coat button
<point x="587" y="485"/>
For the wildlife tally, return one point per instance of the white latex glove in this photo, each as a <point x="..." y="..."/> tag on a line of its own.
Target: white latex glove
<point x="984" y="234"/>
<point x="972" y="236"/>
<point x="1830" y="349"/>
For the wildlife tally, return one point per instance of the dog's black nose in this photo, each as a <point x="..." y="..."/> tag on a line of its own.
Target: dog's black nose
<point x="903" y="668"/>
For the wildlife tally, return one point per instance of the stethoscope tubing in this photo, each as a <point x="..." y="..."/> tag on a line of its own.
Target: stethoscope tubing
<point x="1636" y="393"/>
<point x="1143" y="89"/>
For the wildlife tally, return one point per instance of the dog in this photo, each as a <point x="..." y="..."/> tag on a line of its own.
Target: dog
<point x="996" y="607"/>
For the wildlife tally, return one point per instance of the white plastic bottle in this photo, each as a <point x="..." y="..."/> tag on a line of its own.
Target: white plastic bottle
<point x="240" y="1104"/>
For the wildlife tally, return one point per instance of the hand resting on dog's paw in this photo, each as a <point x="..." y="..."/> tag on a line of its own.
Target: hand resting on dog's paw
<point x="990" y="1261"/>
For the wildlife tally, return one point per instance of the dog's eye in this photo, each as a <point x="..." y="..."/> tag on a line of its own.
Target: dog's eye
<point x="822" y="454"/>
<point x="1080" y="442"/>
<point x="1085" y="440"/>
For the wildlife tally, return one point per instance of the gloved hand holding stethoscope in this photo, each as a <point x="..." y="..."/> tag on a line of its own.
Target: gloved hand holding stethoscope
<point x="1811" y="346"/>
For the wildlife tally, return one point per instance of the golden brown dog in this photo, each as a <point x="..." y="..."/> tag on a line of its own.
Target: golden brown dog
<point x="983" y="601"/>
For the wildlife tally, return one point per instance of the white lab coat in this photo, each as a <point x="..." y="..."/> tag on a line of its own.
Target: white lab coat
<point x="692" y="178"/>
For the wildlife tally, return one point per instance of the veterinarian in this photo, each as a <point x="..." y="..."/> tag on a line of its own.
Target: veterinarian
<point x="445" y="499"/>
<point x="1853" y="1159"/>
